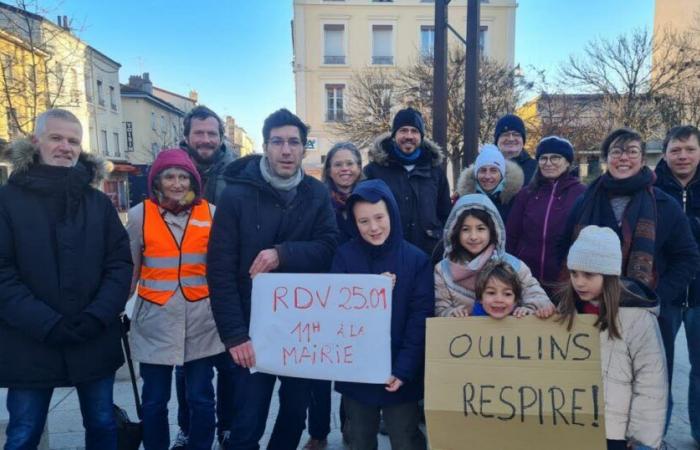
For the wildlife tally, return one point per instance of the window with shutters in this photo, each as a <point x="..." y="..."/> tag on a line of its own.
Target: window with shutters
<point x="333" y="44"/>
<point x="382" y="45"/>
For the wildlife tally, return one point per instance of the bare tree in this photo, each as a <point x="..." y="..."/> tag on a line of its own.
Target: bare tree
<point x="629" y="87"/>
<point x="372" y="92"/>
<point x="37" y="64"/>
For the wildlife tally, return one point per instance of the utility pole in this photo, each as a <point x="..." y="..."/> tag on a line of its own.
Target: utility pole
<point x="440" y="74"/>
<point x="472" y="105"/>
<point x="471" y="88"/>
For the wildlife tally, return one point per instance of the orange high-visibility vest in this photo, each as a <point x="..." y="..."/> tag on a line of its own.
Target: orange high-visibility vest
<point x="167" y="266"/>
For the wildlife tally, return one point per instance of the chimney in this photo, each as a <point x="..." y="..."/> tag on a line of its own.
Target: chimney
<point x="194" y="96"/>
<point x="135" y="82"/>
<point x="147" y="86"/>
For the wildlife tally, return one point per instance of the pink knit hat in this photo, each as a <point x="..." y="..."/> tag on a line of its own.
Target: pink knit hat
<point x="174" y="157"/>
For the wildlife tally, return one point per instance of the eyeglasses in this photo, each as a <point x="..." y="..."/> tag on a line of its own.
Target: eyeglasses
<point x="511" y="135"/>
<point x="278" y="143"/>
<point x="631" y="152"/>
<point x="552" y="159"/>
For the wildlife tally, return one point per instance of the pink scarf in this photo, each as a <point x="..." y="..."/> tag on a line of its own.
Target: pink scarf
<point x="465" y="274"/>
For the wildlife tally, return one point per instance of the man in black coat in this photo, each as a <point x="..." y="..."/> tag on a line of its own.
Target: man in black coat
<point x="204" y="142"/>
<point x="271" y="218"/>
<point x="677" y="175"/>
<point x="411" y="166"/>
<point x="65" y="273"/>
<point x="509" y="136"/>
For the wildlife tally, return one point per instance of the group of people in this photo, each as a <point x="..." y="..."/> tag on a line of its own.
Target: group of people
<point x="522" y="236"/>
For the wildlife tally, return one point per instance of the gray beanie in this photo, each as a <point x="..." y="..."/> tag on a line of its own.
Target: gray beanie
<point x="596" y="250"/>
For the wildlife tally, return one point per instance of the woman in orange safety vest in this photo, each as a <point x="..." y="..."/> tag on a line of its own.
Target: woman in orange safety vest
<point x="172" y="323"/>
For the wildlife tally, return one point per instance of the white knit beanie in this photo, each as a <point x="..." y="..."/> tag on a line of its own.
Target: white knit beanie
<point x="596" y="250"/>
<point x="490" y="155"/>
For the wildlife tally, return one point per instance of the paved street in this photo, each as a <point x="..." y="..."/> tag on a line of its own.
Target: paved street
<point x="66" y="431"/>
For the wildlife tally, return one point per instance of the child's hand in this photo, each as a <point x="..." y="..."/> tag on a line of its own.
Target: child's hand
<point x="460" y="311"/>
<point x="522" y="311"/>
<point x="545" y="312"/>
<point x="393" y="384"/>
<point x="392" y="276"/>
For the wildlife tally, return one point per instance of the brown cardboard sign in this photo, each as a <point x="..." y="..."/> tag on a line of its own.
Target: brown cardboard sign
<point x="513" y="384"/>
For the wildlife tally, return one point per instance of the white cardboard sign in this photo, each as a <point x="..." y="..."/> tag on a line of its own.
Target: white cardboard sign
<point x="322" y="326"/>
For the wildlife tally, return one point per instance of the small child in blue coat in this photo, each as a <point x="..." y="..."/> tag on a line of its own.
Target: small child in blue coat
<point x="499" y="292"/>
<point x="378" y="247"/>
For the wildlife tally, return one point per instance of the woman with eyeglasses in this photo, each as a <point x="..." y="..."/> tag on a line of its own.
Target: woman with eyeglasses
<point x="491" y="174"/>
<point x="658" y="248"/>
<point x="538" y="216"/>
<point x="342" y="171"/>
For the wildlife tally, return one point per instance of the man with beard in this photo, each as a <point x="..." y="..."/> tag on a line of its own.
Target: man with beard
<point x="204" y="132"/>
<point x="204" y="141"/>
<point x="412" y="167"/>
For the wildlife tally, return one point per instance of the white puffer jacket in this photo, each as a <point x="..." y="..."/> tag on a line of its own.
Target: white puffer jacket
<point x="634" y="376"/>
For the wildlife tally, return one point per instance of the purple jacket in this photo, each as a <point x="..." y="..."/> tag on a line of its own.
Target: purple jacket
<point x="536" y="223"/>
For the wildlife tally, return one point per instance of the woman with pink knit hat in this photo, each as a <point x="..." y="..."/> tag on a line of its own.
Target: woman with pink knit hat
<point x="172" y="323"/>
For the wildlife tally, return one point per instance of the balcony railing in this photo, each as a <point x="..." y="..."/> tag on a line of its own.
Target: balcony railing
<point x="333" y="59"/>
<point x="382" y="60"/>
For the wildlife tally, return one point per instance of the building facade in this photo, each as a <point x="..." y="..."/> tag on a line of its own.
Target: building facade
<point x="238" y="138"/>
<point x="332" y="39"/>
<point x="150" y="123"/>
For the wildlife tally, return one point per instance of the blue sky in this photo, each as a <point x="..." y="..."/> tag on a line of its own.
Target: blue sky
<point x="237" y="53"/>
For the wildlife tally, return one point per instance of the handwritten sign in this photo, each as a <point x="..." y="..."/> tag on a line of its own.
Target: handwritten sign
<point x="328" y="327"/>
<point x="513" y="384"/>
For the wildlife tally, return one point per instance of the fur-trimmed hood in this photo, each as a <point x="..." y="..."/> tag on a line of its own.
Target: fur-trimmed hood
<point x="22" y="154"/>
<point x="380" y="151"/>
<point x="466" y="184"/>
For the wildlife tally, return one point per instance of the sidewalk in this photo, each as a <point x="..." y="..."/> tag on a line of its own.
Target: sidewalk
<point x="66" y="429"/>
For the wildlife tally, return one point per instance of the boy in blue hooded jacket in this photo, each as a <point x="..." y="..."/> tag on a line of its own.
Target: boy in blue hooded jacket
<point x="379" y="248"/>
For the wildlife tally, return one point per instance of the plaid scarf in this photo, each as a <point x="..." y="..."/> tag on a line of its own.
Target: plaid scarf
<point x="638" y="228"/>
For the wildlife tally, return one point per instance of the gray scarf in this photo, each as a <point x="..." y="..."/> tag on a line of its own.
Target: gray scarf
<point x="282" y="184"/>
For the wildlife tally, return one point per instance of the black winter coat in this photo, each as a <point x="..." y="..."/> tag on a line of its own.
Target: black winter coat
<point x="423" y="194"/>
<point x="676" y="255"/>
<point x="528" y="164"/>
<point x="251" y="217"/>
<point x="689" y="200"/>
<point x="63" y="251"/>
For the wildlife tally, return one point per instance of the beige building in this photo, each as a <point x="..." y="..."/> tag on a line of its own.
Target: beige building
<point x="333" y="38"/>
<point x="238" y="138"/>
<point x="150" y="123"/>
<point x="184" y="104"/>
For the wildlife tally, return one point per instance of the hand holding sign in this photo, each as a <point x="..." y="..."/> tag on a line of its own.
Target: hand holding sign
<point x="266" y="261"/>
<point x="243" y="354"/>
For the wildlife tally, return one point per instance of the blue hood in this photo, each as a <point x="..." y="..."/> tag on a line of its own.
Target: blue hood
<point x="475" y="201"/>
<point x="372" y="191"/>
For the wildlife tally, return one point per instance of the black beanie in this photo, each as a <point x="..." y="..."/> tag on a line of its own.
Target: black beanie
<point x="509" y="122"/>
<point x="408" y="117"/>
<point x="555" y="145"/>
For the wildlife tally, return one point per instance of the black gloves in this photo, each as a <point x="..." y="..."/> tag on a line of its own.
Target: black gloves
<point x="74" y="330"/>
<point x="63" y="334"/>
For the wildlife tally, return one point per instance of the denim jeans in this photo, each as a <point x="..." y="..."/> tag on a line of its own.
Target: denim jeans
<point x="320" y="409"/>
<point x="224" y="394"/>
<point x="401" y="423"/>
<point x="253" y="395"/>
<point x="28" y="409"/>
<point x="155" y="394"/>
<point x="670" y="321"/>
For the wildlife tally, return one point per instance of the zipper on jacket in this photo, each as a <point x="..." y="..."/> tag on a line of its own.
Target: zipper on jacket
<point x="544" y="228"/>
<point x="685" y="303"/>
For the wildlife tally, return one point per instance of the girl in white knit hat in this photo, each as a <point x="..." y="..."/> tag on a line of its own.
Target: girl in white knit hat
<point x="632" y="353"/>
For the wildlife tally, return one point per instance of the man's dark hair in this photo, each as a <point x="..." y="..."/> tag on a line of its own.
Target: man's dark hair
<point x="283" y="117"/>
<point x="621" y="137"/>
<point x="680" y="133"/>
<point x="201" y="112"/>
